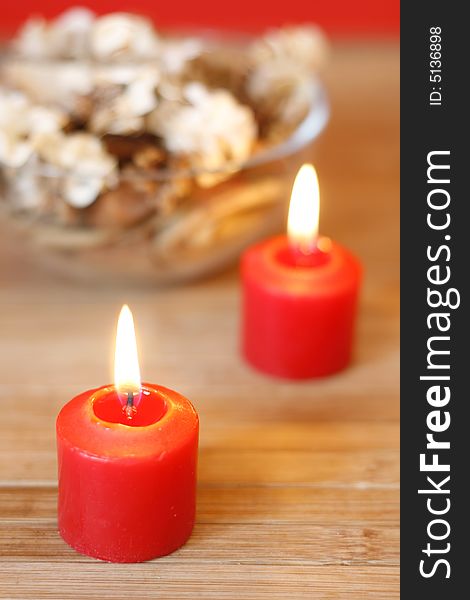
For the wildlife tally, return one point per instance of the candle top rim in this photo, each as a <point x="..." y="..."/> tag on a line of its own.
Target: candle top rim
<point x="78" y="425"/>
<point x="339" y="271"/>
<point x="106" y="403"/>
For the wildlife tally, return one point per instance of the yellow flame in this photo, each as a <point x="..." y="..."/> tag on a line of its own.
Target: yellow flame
<point x="126" y="360"/>
<point x="304" y="210"/>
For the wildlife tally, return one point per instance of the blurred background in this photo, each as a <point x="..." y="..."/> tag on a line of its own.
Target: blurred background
<point x="340" y="18"/>
<point x="153" y="207"/>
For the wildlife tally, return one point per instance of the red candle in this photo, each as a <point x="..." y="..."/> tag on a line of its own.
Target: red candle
<point x="127" y="458"/>
<point x="300" y="295"/>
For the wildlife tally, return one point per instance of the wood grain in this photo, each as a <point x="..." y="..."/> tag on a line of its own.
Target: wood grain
<point x="180" y="581"/>
<point x="319" y="505"/>
<point x="298" y="482"/>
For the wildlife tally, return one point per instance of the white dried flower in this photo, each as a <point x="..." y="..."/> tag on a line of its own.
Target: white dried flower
<point x="176" y="53"/>
<point x="44" y="120"/>
<point x="139" y="98"/>
<point x="213" y="129"/>
<point x="87" y="166"/>
<point x="90" y="167"/>
<point x="61" y="84"/>
<point x="69" y="35"/>
<point x="81" y="192"/>
<point x="26" y="189"/>
<point x="20" y="123"/>
<point x="281" y="91"/>
<point x="48" y="146"/>
<point x="19" y="116"/>
<point x="13" y="108"/>
<point x="33" y="38"/>
<point x="303" y="45"/>
<point x="124" y="113"/>
<point x="13" y="151"/>
<point x="85" y="152"/>
<point x="280" y="82"/>
<point x="123" y="35"/>
<point x="170" y="90"/>
<point x="114" y="74"/>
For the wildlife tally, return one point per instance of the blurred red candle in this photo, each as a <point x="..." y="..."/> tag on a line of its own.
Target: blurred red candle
<point x="127" y="464"/>
<point x="300" y="295"/>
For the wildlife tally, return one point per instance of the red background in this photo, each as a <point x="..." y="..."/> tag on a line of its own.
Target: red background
<point x="338" y="17"/>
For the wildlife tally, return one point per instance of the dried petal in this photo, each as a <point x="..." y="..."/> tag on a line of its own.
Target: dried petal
<point x="20" y="123"/>
<point x="80" y="192"/>
<point x="32" y="39"/>
<point x="120" y="108"/>
<point x="305" y="46"/>
<point x="213" y="129"/>
<point x="175" y="54"/>
<point x="69" y="35"/>
<point x="119" y="35"/>
<point x="13" y="153"/>
<point x="60" y="84"/>
<point x="281" y="92"/>
<point x="88" y="166"/>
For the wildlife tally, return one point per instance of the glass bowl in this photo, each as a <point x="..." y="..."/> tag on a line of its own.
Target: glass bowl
<point x="195" y="230"/>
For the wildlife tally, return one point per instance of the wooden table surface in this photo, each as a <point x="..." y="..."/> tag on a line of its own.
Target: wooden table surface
<point x="298" y="483"/>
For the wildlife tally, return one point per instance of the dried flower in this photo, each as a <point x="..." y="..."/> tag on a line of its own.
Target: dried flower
<point x="280" y="83"/>
<point x="26" y="190"/>
<point x="213" y="129"/>
<point x="123" y="35"/>
<point x="305" y="46"/>
<point x="87" y="167"/>
<point x="69" y="35"/>
<point x="13" y="152"/>
<point x="123" y="113"/>
<point x="175" y="54"/>
<point x="13" y="108"/>
<point x="63" y="84"/>
<point x="281" y="92"/>
<point x="33" y="38"/>
<point x="109" y="97"/>
<point x="20" y="125"/>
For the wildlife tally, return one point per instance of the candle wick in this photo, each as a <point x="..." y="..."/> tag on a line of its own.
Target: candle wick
<point x="130" y="409"/>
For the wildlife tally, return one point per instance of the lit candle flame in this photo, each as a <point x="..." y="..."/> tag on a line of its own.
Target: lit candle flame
<point x="304" y="210"/>
<point x="126" y="360"/>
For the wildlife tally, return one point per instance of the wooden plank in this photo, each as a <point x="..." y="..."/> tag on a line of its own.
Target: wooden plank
<point x="229" y="543"/>
<point x="175" y="581"/>
<point x="243" y="467"/>
<point x="327" y="506"/>
<point x="73" y="329"/>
